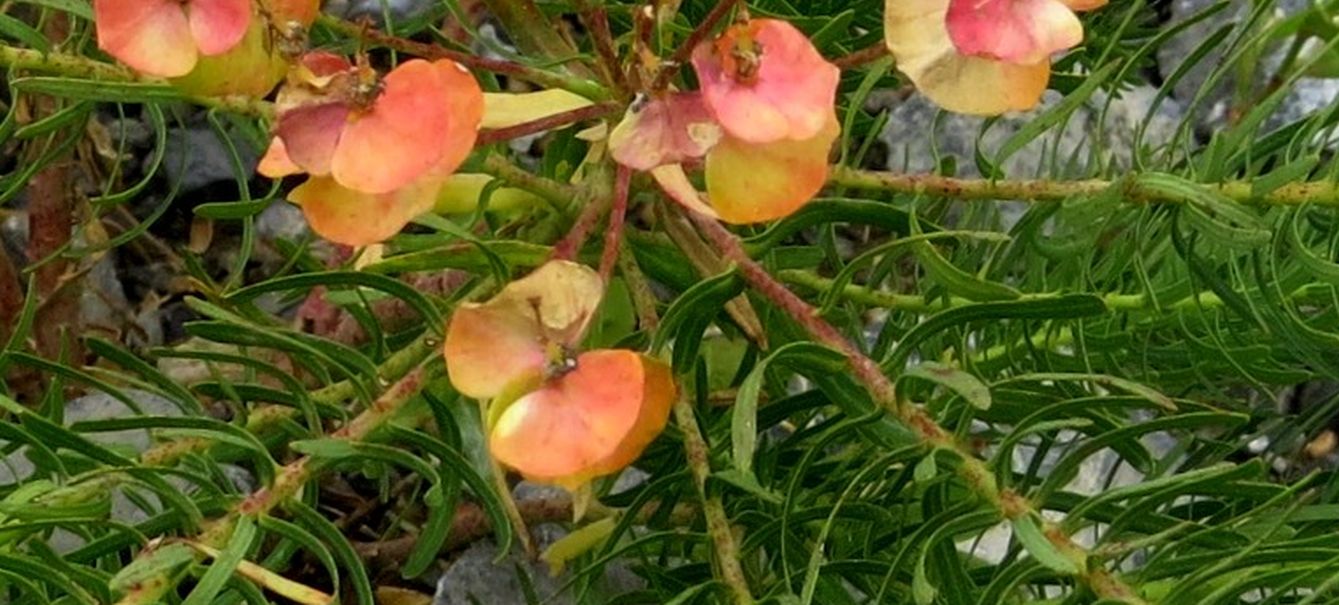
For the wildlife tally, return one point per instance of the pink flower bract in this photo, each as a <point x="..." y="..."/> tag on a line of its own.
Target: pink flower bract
<point x="1014" y="31"/>
<point x="667" y="130"/>
<point x="374" y="168"/>
<point x="491" y="345"/>
<point x="165" y="38"/>
<point x="781" y="88"/>
<point x="983" y="57"/>
<point x="425" y="112"/>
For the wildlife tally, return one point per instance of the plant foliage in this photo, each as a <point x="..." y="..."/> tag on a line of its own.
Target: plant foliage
<point x="1094" y="354"/>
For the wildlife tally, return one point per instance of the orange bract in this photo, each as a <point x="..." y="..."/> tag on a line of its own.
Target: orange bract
<point x="752" y="183"/>
<point x="424" y="114"/>
<point x="516" y="334"/>
<point x="981" y="56"/>
<point x="591" y="421"/>
<point x="558" y="417"/>
<point x="165" y="38"/>
<point x="764" y="81"/>
<point x="378" y="164"/>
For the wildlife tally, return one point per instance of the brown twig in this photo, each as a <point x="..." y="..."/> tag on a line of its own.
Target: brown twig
<point x="11" y="294"/>
<point x="547" y="123"/>
<point x="596" y="20"/>
<point x="685" y="50"/>
<point x="548" y="79"/>
<point x="869" y="54"/>
<point x="52" y="199"/>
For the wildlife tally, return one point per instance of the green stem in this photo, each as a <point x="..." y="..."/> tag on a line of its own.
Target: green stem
<point x="76" y="66"/>
<point x="718" y="524"/>
<point x="915" y="303"/>
<point x="1292" y="194"/>
<point x="561" y="195"/>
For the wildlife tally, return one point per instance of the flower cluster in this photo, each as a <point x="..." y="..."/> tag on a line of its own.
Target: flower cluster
<point x="377" y="149"/>
<point x="982" y="57"/>
<point x="208" y="47"/>
<point x="764" y="119"/>
<point x="557" y="415"/>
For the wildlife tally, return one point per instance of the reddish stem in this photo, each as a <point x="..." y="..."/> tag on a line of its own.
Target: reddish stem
<point x="596" y="19"/>
<point x="613" y="236"/>
<point x="544" y="124"/>
<point x="431" y="51"/>
<point x="570" y="244"/>
<point x="866" y="370"/>
<point x="685" y="50"/>
<point x="869" y="54"/>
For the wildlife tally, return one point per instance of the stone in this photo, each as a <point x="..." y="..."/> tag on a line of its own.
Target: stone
<point x="195" y="158"/>
<point x="400" y="10"/>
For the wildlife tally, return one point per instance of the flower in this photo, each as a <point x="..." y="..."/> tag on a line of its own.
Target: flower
<point x="377" y="149"/>
<point x="764" y="81"/>
<point x="668" y="130"/>
<point x="557" y="416"/>
<point x="516" y="335"/>
<point x="165" y="38"/>
<point x="251" y="68"/>
<point x="590" y="422"/>
<point x="764" y="120"/>
<point x="982" y="57"/>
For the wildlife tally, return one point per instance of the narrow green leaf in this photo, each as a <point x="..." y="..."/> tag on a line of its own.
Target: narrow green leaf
<point x="968" y="386"/>
<point x="225" y="564"/>
<point x="1029" y="532"/>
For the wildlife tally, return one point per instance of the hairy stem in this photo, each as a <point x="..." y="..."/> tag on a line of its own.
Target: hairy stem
<point x="915" y="303"/>
<point x="560" y="194"/>
<point x="75" y="66"/>
<point x="1292" y="194"/>
<point x="718" y="525"/>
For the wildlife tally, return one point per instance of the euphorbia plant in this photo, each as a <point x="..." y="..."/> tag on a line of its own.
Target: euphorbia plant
<point x="839" y="442"/>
